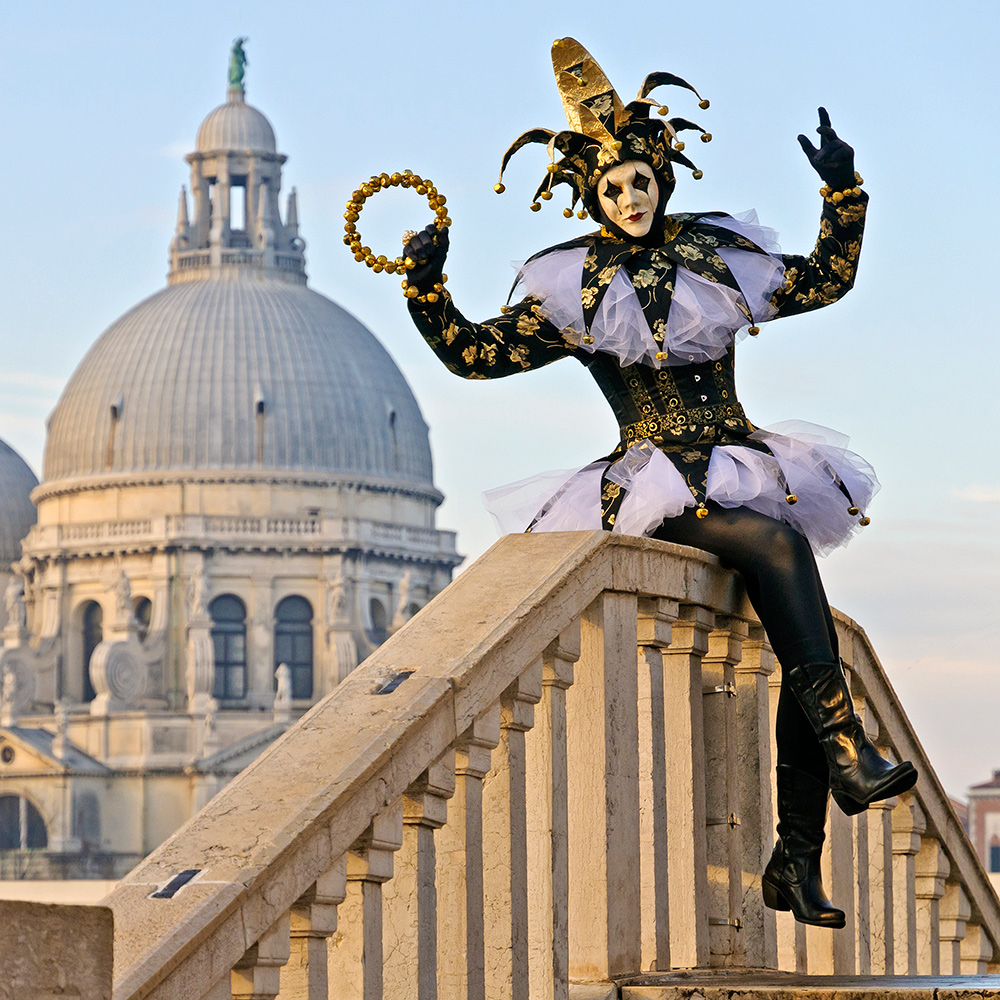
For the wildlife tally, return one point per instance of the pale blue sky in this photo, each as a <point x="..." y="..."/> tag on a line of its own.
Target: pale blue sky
<point x="101" y="101"/>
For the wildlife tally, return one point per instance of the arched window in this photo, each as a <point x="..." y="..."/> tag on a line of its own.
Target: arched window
<point x="995" y="854"/>
<point x="293" y="643"/>
<point x="21" y="824"/>
<point x="142" y="612"/>
<point x="229" y="639"/>
<point x="93" y="634"/>
<point x="379" y="630"/>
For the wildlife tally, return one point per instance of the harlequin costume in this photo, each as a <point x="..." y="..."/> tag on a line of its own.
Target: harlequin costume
<point x="653" y="305"/>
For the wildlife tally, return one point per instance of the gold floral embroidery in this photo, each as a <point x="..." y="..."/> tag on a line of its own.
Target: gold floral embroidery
<point x="450" y="332"/>
<point x="689" y="252"/>
<point x="604" y="278"/>
<point x="527" y="325"/>
<point x="469" y="355"/>
<point x="588" y="296"/>
<point x="488" y="352"/>
<point x="601" y="105"/>
<point x="851" y="213"/>
<point x="825" y="228"/>
<point x="519" y="356"/>
<point x="841" y="267"/>
<point x="644" y="278"/>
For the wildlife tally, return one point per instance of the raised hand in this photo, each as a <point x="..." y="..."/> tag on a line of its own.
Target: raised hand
<point x="428" y="248"/>
<point x="834" y="159"/>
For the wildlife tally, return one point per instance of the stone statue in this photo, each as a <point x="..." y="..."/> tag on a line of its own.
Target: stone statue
<point x="17" y="614"/>
<point x="196" y="594"/>
<point x="336" y="601"/>
<point x="62" y="717"/>
<point x="237" y="64"/>
<point x="123" y="597"/>
<point x="399" y="619"/>
<point x="283" y="693"/>
<point x="8" y="688"/>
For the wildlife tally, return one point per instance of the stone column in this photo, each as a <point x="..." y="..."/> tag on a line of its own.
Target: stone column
<point x="879" y="865"/>
<point x="908" y="824"/>
<point x="410" y="898"/>
<point x="257" y="975"/>
<point x="603" y="738"/>
<point x="931" y="869"/>
<point x="548" y="825"/>
<point x="356" y="955"/>
<point x="976" y="951"/>
<point x="461" y="961"/>
<point x="505" y="849"/>
<point x="753" y="753"/>
<point x="953" y="913"/>
<point x="724" y="850"/>
<point x="686" y="840"/>
<point x="313" y="920"/>
<point x="654" y="622"/>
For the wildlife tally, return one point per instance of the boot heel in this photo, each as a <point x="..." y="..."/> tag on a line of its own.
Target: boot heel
<point x="773" y="899"/>
<point x="848" y="806"/>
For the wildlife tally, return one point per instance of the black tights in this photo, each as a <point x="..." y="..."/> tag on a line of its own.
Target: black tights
<point x="783" y="584"/>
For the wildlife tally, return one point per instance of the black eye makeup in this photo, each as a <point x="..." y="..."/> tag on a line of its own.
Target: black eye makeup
<point x="612" y="191"/>
<point x="641" y="182"/>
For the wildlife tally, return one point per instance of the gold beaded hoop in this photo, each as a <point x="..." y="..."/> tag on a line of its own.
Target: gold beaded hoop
<point x="378" y="182"/>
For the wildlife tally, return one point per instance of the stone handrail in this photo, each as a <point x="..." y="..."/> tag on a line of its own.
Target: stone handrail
<point x="498" y="803"/>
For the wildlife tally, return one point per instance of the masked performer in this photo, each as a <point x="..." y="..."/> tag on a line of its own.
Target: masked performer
<point x="653" y="305"/>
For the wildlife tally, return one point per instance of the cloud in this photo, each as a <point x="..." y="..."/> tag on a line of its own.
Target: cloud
<point x="978" y="494"/>
<point x="33" y="380"/>
<point x="176" y="150"/>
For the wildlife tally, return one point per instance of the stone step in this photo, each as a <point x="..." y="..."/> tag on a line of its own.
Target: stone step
<point x="752" y="984"/>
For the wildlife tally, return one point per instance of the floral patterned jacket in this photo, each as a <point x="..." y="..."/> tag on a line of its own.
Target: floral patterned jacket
<point x="683" y="408"/>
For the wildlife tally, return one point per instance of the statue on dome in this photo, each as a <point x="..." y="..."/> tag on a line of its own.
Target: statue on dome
<point x="237" y="64"/>
<point x="653" y="304"/>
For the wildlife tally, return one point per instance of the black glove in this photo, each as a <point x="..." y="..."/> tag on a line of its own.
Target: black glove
<point x="428" y="248"/>
<point x="834" y="160"/>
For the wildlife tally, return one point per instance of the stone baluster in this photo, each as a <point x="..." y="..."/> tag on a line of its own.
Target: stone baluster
<point x="790" y="934"/>
<point x="355" y="955"/>
<point x="505" y="852"/>
<point x="548" y="825"/>
<point x="908" y="824"/>
<point x="683" y="722"/>
<point x="753" y="753"/>
<point x="953" y="916"/>
<point x="723" y="842"/>
<point x="879" y="862"/>
<point x="976" y="951"/>
<point x="603" y="743"/>
<point x="655" y="616"/>
<point x="257" y="975"/>
<point x="313" y="920"/>
<point x="410" y="899"/>
<point x="931" y="868"/>
<point x="461" y="962"/>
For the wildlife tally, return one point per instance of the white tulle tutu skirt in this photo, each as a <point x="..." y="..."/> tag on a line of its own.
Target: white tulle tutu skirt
<point x="807" y="460"/>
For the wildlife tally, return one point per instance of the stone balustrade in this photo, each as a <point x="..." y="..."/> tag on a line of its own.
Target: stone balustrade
<point x="558" y="772"/>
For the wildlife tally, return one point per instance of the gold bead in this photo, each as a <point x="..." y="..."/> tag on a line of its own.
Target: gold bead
<point x="697" y="175"/>
<point x="366" y="190"/>
<point x="704" y="105"/>
<point x="551" y="168"/>
<point x="359" y="256"/>
<point x="852" y="510"/>
<point x="617" y="144"/>
<point x="753" y="331"/>
<point x="378" y="268"/>
<point x="568" y="213"/>
<point x="702" y="512"/>
<point x="661" y="356"/>
<point x="663" y="110"/>
<point x="706" y="136"/>
<point x="348" y="239"/>
<point x="381" y="259"/>
<point x="412" y="291"/>
<point x="856" y="192"/>
<point x="535" y="207"/>
<point x="499" y="188"/>
<point x="679" y="146"/>
<point x="446" y="222"/>
<point x="432" y="296"/>
<point x="597" y="173"/>
<point x="370" y="260"/>
<point x="858" y="179"/>
<point x="582" y="214"/>
<point x="588" y="340"/>
<point x="421" y="189"/>
<point x="442" y="200"/>
<point x="546" y="196"/>
<point x="395" y="179"/>
<point x="837" y="196"/>
<point x="865" y="521"/>
<point x="557" y="44"/>
<point x="791" y="499"/>
<point x="444" y="278"/>
<point x="390" y="267"/>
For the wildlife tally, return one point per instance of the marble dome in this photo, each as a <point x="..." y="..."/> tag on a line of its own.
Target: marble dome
<point x="248" y="373"/>
<point x="235" y="125"/>
<point x="17" y="512"/>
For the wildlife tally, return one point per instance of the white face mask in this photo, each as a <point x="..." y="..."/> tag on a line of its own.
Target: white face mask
<point x="628" y="195"/>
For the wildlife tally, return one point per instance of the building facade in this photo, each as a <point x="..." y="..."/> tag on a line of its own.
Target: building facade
<point x="237" y="505"/>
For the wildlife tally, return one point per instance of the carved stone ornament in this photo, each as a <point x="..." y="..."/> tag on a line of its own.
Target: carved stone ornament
<point x="117" y="674"/>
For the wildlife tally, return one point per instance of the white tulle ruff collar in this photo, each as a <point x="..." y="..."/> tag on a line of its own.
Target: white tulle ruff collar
<point x="705" y="317"/>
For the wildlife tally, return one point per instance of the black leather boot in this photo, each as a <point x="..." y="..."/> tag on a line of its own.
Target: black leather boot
<point x="792" y="879"/>
<point x="859" y="775"/>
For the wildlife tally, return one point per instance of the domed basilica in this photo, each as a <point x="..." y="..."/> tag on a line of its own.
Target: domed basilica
<point x="237" y="505"/>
